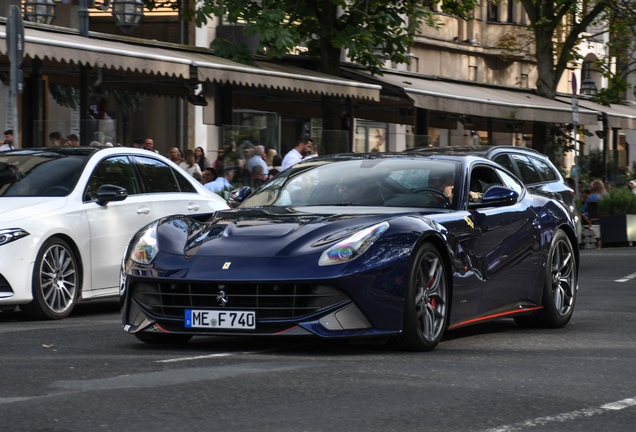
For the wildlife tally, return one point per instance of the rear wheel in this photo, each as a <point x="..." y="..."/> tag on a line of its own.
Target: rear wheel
<point x="426" y="301"/>
<point x="163" y="338"/>
<point x="559" y="291"/>
<point x="56" y="282"/>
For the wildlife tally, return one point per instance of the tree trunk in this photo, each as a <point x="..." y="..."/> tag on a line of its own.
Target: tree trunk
<point x="546" y="82"/>
<point x="332" y="142"/>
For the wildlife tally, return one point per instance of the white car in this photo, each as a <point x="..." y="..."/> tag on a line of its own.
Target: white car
<point x="68" y="213"/>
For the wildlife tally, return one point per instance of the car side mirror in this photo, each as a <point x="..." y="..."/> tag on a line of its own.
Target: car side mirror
<point x="496" y="196"/>
<point x="107" y="193"/>
<point x="237" y="196"/>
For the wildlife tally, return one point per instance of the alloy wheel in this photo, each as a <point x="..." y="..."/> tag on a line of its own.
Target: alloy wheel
<point x="431" y="296"/>
<point x="58" y="278"/>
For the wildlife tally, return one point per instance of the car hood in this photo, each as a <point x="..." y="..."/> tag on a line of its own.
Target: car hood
<point x="269" y="231"/>
<point x="17" y="209"/>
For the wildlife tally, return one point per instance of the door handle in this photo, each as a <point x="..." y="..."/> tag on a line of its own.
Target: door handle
<point x="193" y="207"/>
<point x="143" y="210"/>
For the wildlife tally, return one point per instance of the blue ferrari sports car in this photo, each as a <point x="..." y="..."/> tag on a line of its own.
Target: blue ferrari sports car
<point x="380" y="245"/>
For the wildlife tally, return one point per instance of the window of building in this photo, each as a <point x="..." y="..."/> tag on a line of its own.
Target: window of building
<point x="511" y="11"/>
<point x="493" y="11"/>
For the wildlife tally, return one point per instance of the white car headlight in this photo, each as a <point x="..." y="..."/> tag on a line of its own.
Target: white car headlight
<point x="145" y="250"/>
<point x="353" y="246"/>
<point x="11" y="234"/>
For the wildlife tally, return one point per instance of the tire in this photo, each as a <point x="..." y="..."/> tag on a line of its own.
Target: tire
<point x="559" y="288"/>
<point x="56" y="282"/>
<point x="163" y="338"/>
<point x="426" y="301"/>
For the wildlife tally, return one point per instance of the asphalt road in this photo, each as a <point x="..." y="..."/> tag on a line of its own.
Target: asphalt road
<point x="85" y="374"/>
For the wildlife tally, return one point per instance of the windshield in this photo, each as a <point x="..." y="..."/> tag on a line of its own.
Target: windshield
<point x="28" y="174"/>
<point x="392" y="182"/>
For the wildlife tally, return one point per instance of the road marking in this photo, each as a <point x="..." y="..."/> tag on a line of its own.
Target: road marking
<point x="588" y="412"/>
<point x="176" y="376"/>
<point x="626" y="278"/>
<point x="207" y="356"/>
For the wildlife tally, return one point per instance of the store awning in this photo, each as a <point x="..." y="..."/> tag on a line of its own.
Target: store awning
<point x="180" y="62"/>
<point x="483" y="101"/>
<point x="618" y="116"/>
<point x="282" y="77"/>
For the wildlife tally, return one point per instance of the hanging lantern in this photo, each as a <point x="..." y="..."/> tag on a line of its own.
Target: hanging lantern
<point x="128" y="14"/>
<point x="40" y="11"/>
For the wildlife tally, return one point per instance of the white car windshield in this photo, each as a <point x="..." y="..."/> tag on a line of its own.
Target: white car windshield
<point x="392" y="182"/>
<point x="29" y="174"/>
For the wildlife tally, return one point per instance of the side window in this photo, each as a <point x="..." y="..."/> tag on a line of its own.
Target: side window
<point x="529" y="174"/>
<point x="510" y="181"/>
<point x="545" y="170"/>
<point x="113" y="171"/>
<point x="504" y="161"/>
<point x="157" y="176"/>
<point x="482" y="178"/>
<point x="184" y="184"/>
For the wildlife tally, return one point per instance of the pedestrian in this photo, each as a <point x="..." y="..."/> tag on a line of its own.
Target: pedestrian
<point x="632" y="186"/>
<point x="209" y="175"/>
<point x="8" y="141"/>
<point x="219" y="159"/>
<point x="175" y="155"/>
<point x="138" y="143"/>
<point x="56" y="139"/>
<point x="149" y="145"/>
<point x="258" y="177"/>
<point x="314" y="151"/>
<point x="296" y="154"/>
<point x="223" y="181"/>
<point x="270" y="158"/>
<point x="73" y="140"/>
<point x="201" y="160"/>
<point x="258" y="159"/>
<point x="189" y="163"/>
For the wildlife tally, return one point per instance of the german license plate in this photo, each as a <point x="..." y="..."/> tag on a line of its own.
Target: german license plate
<point x="220" y="319"/>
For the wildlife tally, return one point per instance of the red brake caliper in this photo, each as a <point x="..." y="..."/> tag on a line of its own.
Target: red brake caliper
<point x="431" y="300"/>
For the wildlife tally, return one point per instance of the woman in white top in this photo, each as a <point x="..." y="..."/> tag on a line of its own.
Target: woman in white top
<point x="189" y="164"/>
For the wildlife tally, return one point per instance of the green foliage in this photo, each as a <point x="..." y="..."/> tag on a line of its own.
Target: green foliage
<point x="370" y="30"/>
<point x="620" y="201"/>
<point x="592" y="164"/>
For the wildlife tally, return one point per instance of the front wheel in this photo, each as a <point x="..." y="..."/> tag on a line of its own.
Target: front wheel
<point x="426" y="301"/>
<point x="56" y="282"/>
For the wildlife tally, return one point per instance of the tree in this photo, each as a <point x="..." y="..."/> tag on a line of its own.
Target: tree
<point x="368" y="31"/>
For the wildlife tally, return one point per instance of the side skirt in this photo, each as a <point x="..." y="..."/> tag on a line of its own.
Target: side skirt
<point x="520" y="308"/>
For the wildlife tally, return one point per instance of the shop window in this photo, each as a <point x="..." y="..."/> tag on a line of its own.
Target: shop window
<point x="370" y="138"/>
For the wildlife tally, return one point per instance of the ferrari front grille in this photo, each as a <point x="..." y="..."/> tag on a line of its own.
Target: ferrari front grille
<point x="270" y="301"/>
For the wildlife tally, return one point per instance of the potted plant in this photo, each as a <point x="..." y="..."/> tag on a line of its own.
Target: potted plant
<point x="617" y="213"/>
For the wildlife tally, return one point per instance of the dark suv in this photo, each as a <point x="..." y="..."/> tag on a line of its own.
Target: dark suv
<point x="534" y="169"/>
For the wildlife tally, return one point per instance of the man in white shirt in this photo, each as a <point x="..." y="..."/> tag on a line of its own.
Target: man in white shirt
<point x="222" y="182"/>
<point x="258" y="159"/>
<point x="8" y="141"/>
<point x="295" y="155"/>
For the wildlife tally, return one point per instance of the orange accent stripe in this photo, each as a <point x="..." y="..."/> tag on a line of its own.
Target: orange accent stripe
<point x="291" y="328"/>
<point x="167" y="331"/>
<point x="495" y="316"/>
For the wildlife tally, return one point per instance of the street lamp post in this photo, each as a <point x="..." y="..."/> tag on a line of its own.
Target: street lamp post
<point x="127" y="14"/>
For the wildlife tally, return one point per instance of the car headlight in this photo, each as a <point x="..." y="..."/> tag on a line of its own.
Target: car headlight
<point x="11" y="234"/>
<point x="145" y="249"/>
<point x="353" y="246"/>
